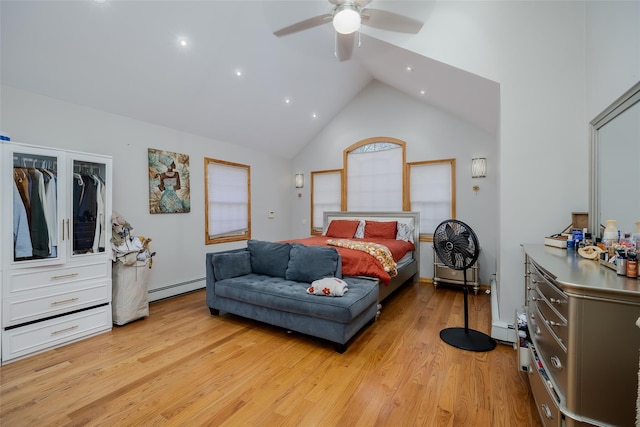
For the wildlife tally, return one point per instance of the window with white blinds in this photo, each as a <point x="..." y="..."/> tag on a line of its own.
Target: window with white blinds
<point x="227" y="202"/>
<point x="432" y="192"/>
<point x="374" y="177"/>
<point x="325" y="196"/>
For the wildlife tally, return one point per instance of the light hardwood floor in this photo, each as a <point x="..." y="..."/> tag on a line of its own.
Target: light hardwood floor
<point x="183" y="367"/>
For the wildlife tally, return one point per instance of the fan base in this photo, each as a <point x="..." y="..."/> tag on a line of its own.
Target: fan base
<point x="467" y="339"/>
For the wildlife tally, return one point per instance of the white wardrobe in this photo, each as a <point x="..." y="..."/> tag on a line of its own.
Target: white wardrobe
<point x="55" y="247"/>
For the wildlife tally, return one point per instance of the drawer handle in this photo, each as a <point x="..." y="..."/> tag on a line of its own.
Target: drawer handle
<point x="552" y="323"/>
<point x="555" y="361"/>
<point x="538" y="331"/>
<point x="62" y="331"/>
<point x="66" y="301"/>
<point x="555" y="301"/>
<point x="64" y="276"/>
<point x="546" y="411"/>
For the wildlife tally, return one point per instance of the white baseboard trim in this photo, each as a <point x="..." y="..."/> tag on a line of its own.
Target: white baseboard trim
<point x="500" y="330"/>
<point x="176" y="289"/>
<point x="503" y="331"/>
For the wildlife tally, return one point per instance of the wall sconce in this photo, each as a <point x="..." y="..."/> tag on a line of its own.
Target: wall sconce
<point x="299" y="180"/>
<point x="478" y="167"/>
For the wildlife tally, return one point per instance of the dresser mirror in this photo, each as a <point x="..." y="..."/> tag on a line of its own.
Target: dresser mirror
<point x="615" y="156"/>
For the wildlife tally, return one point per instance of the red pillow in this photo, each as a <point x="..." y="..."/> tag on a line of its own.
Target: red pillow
<point x="342" y="228"/>
<point x="380" y="230"/>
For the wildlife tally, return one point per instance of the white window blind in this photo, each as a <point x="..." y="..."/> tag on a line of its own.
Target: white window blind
<point x="374" y="179"/>
<point x="326" y="196"/>
<point x="227" y="200"/>
<point x="431" y="193"/>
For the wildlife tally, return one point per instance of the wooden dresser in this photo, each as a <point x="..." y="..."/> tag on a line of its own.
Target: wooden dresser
<point x="584" y="343"/>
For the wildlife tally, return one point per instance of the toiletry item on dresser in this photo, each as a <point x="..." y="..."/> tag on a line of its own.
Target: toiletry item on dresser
<point x="621" y="263"/>
<point x="610" y="235"/>
<point x="632" y="265"/>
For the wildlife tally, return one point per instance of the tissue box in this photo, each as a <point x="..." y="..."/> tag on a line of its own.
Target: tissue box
<point x="556" y="241"/>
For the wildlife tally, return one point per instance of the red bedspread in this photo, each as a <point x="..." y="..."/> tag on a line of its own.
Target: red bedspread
<point x="358" y="263"/>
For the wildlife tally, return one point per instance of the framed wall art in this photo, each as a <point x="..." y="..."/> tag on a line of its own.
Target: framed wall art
<point x="168" y="182"/>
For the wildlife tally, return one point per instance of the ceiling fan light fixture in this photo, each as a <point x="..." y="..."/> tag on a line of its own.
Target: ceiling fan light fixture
<point x="346" y="19"/>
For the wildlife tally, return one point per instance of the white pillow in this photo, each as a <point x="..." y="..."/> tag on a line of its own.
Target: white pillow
<point x="405" y="232"/>
<point x="360" y="230"/>
<point x="328" y="286"/>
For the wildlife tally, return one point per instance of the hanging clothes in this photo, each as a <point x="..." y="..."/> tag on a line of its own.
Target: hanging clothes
<point x="39" y="228"/>
<point x="88" y="213"/>
<point x="21" y="236"/>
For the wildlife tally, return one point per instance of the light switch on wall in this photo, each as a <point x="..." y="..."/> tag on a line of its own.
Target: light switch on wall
<point x="271" y="215"/>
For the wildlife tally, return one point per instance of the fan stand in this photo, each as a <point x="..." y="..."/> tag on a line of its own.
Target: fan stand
<point x="465" y="338"/>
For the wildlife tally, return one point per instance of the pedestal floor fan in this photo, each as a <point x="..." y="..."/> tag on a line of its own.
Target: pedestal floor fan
<point x="457" y="246"/>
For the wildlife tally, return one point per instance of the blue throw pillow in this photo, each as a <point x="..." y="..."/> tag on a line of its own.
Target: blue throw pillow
<point x="309" y="263"/>
<point x="228" y="265"/>
<point x="269" y="258"/>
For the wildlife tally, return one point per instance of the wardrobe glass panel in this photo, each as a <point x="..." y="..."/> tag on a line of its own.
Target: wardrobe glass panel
<point x="35" y="207"/>
<point x="89" y="204"/>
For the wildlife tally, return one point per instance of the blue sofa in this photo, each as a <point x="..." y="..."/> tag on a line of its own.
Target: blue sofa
<point x="268" y="281"/>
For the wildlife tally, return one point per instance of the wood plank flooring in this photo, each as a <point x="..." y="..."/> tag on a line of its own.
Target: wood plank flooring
<point x="183" y="367"/>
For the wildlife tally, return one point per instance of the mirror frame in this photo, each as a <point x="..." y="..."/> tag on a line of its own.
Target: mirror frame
<point x="619" y="106"/>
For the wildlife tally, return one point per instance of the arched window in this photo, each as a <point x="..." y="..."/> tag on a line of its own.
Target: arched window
<point x="375" y="175"/>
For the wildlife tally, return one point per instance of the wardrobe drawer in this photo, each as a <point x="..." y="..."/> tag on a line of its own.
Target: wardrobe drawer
<point x="29" y="339"/>
<point x="27" y="307"/>
<point x="16" y="281"/>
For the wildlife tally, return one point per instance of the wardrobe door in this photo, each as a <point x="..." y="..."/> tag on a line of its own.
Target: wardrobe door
<point x="90" y="205"/>
<point x="35" y="215"/>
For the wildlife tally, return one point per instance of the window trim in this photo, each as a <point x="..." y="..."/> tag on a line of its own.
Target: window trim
<point x="247" y="234"/>
<point x="428" y="237"/>
<point x="342" y="195"/>
<point x="367" y="141"/>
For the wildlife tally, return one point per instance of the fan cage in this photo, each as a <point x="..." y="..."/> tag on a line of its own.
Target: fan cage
<point x="456" y="244"/>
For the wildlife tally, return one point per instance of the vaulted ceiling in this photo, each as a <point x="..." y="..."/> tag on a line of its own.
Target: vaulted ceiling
<point x="233" y="80"/>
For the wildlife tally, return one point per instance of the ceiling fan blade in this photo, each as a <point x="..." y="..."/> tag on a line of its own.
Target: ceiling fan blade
<point x="385" y="20"/>
<point x="304" y="25"/>
<point x="344" y="46"/>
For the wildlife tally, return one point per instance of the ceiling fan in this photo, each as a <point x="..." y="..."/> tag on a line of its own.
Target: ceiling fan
<point x="347" y="16"/>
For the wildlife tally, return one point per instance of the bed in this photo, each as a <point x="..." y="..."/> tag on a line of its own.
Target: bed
<point x="399" y="232"/>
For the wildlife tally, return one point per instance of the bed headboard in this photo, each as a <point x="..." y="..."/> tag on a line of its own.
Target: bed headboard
<point x="410" y="218"/>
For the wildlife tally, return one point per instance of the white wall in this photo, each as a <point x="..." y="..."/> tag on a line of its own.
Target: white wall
<point x="612" y="53"/>
<point x="430" y="134"/>
<point x="178" y="239"/>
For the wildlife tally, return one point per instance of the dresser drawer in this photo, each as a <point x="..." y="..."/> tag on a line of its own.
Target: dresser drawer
<point x="545" y="402"/>
<point x="17" y="281"/>
<point x="29" y="339"/>
<point x="556" y="323"/>
<point x="27" y="307"/>
<point x="552" y="354"/>
<point x="556" y="298"/>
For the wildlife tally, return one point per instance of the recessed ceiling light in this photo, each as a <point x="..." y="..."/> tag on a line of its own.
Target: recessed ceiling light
<point x="239" y="73"/>
<point x="287" y="101"/>
<point x="183" y="42"/>
<point x="409" y="69"/>
<point x="422" y="92"/>
<point x="314" y="115"/>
